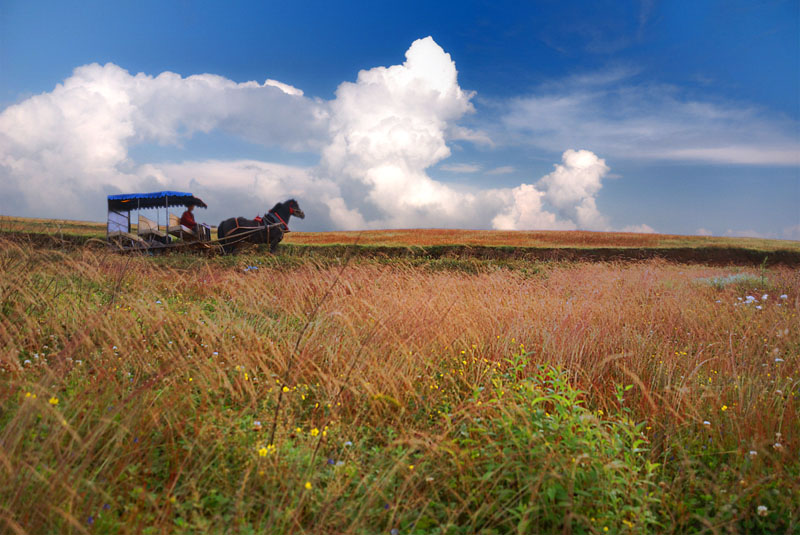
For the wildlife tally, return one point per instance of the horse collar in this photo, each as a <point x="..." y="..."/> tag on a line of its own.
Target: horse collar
<point x="281" y="220"/>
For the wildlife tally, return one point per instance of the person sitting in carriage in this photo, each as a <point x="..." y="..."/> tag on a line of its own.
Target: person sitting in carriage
<point x="187" y="219"/>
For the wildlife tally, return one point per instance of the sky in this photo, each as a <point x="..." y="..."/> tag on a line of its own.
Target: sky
<point x="678" y="117"/>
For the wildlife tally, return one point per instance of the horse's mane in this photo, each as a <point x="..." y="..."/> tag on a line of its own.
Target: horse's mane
<point x="278" y="205"/>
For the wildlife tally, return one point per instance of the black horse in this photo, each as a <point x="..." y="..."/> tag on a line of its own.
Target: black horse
<point x="237" y="230"/>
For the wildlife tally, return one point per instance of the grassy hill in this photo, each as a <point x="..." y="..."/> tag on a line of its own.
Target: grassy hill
<point x="478" y="244"/>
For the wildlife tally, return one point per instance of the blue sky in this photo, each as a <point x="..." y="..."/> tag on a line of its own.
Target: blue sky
<point x="674" y="117"/>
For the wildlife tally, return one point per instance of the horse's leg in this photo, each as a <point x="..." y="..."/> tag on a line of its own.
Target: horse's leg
<point x="230" y="246"/>
<point x="228" y="239"/>
<point x="274" y="240"/>
<point x="222" y="229"/>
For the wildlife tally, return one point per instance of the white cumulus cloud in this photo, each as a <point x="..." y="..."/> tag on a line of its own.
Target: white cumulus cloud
<point x="389" y="126"/>
<point x="572" y="186"/>
<point x="570" y="191"/>
<point x="75" y="139"/>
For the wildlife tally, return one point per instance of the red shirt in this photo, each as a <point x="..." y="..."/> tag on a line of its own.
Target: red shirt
<point x="187" y="220"/>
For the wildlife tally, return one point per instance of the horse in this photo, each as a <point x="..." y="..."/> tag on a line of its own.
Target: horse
<point x="236" y="230"/>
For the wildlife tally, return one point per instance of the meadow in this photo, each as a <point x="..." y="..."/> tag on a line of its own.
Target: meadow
<point x="302" y="393"/>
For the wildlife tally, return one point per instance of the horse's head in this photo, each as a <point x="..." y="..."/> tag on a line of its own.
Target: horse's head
<point x="284" y="210"/>
<point x="294" y="209"/>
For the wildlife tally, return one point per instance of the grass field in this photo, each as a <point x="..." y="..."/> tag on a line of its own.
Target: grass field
<point x="360" y="394"/>
<point x="423" y="244"/>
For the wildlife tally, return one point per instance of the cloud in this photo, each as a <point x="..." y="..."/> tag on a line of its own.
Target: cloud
<point x="639" y="229"/>
<point x="570" y="189"/>
<point x="478" y="137"/>
<point x="527" y="211"/>
<point x="286" y="88"/>
<point x="502" y="170"/>
<point x="739" y="154"/>
<point x="460" y="168"/>
<point x="76" y="138"/>
<point x="61" y="152"/>
<point x="389" y="126"/>
<point x="703" y="232"/>
<point x="614" y="115"/>
<point x="733" y="233"/>
<point x="572" y="186"/>
<point x="791" y="233"/>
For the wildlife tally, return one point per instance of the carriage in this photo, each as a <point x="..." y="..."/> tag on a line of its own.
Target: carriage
<point x="151" y="236"/>
<point x="150" y="233"/>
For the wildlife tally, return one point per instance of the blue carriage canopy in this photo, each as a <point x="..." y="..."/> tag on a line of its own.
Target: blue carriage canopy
<point x="157" y="199"/>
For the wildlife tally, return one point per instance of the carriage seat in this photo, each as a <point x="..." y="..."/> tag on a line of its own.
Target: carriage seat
<point x="128" y="239"/>
<point x="118" y="231"/>
<point x="149" y="229"/>
<point x="185" y="233"/>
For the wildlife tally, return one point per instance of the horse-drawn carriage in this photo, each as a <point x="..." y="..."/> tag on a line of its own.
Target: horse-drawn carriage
<point x="150" y="233"/>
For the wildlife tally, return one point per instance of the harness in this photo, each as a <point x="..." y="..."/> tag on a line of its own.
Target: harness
<point x="277" y="219"/>
<point x="269" y="221"/>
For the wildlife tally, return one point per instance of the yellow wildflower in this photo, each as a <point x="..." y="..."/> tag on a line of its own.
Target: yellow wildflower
<point x="268" y="450"/>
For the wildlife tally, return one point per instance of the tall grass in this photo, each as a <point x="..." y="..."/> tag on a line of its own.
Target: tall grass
<point x="138" y="394"/>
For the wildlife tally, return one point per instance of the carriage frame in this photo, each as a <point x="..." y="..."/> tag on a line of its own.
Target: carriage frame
<point x="151" y="235"/>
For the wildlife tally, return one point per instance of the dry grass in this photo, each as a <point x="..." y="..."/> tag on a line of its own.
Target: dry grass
<point x="161" y="367"/>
